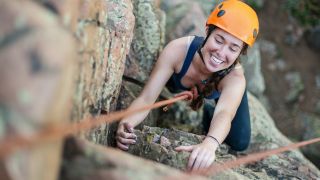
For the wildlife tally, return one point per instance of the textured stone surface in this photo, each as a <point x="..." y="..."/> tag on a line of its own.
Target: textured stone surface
<point x="296" y="87"/>
<point x="252" y="65"/>
<point x="104" y="33"/>
<point x="150" y="144"/>
<point x="311" y="126"/>
<point x="130" y="91"/>
<point x="158" y="144"/>
<point x="147" y="41"/>
<point x="181" y="117"/>
<point x="313" y="37"/>
<point x="37" y="70"/>
<point x="186" y="17"/>
<point x="84" y="160"/>
<point x="68" y="11"/>
<point x="36" y="51"/>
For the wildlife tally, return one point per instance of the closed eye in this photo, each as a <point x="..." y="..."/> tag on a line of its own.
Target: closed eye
<point x="218" y="41"/>
<point x="233" y="49"/>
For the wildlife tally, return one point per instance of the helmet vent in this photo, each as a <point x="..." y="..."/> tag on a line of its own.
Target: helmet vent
<point x="221" y="13"/>
<point x="220" y="6"/>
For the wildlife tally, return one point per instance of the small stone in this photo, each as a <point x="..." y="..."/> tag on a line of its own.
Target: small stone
<point x="303" y="169"/>
<point x="281" y="64"/>
<point x="164" y="141"/>
<point x="156" y="138"/>
<point x="268" y="47"/>
<point x="296" y="86"/>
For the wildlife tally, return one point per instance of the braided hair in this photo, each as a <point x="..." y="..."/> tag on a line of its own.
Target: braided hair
<point x="214" y="80"/>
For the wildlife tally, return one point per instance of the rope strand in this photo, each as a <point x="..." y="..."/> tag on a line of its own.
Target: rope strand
<point x="12" y="144"/>
<point x="216" y="168"/>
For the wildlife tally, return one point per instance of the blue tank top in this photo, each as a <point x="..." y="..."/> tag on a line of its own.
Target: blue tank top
<point x="174" y="84"/>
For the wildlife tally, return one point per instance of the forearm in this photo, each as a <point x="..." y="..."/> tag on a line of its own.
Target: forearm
<point x="220" y="126"/>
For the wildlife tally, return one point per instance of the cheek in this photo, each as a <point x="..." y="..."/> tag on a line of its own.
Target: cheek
<point x="210" y="48"/>
<point x="232" y="57"/>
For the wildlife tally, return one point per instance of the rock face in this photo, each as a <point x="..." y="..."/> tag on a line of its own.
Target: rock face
<point x="39" y="42"/>
<point x="104" y="31"/>
<point x="158" y="144"/>
<point x="311" y="124"/>
<point x="252" y="65"/>
<point x="313" y="37"/>
<point x="104" y="40"/>
<point x="186" y="17"/>
<point x="55" y="54"/>
<point x="147" y="41"/>
<point x="84" y="160"/>
<point x="37" y="77"/>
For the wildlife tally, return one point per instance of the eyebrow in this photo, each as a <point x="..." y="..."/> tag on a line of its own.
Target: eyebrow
<point x="233" y="44"/>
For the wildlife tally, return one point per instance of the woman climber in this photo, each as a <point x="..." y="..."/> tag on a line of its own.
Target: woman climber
<point x="210" y="66"/>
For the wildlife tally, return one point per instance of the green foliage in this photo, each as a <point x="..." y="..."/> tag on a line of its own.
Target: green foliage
<point x="255" y="4"/>
<point x="307" y="12"/>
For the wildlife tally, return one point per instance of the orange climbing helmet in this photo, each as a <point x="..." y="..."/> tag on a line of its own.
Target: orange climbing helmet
<point x="237" y="18"/>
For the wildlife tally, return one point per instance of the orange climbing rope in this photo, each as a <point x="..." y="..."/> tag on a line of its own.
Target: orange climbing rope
<point x="12" y="144"/>
<point x="216" y="168"/>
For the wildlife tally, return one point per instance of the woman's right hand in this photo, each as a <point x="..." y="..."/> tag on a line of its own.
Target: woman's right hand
<point x="125" y="136"/>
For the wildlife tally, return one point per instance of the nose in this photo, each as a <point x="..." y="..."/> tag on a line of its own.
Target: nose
<point x="221" y="51"/>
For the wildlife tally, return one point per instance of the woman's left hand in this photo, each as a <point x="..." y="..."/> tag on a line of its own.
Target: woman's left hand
<point x="202" y="156"/>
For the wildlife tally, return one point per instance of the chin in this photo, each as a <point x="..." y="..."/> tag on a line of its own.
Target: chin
<point x="213" y="67"/>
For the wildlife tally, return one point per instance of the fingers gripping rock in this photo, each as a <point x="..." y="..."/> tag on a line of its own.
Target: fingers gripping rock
<point x="159" y="145"/>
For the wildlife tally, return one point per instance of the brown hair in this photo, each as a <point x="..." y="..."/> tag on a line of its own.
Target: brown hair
<point x="216" y="77"/>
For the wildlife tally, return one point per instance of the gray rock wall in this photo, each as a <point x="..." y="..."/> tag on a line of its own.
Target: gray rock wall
<point x="41" y="46"/>
<point x="63" y="61"/>
<point x="37" y="69"/>
<point x="147" y="41"/>
<point x="104" y="33"/>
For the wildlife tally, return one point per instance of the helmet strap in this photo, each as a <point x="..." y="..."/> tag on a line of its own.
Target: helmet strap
<point x="200" y="54"/>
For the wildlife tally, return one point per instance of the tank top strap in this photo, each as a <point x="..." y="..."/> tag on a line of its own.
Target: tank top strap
<point x="197" y="41"/>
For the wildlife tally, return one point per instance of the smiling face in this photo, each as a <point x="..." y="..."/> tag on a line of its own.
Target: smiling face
<point x="221" y="50"/>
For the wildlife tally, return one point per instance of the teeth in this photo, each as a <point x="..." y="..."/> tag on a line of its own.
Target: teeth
<point x="216" y="60"/>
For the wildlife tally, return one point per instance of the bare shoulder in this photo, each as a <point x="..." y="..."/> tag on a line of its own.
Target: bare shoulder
<point x="174" y="52"/>
<point x="179" y="43"/>
<point x="235" y="79"/>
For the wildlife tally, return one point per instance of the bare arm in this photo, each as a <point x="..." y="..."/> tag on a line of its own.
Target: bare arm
<point x="170" y="57"/>
<point x="232" y="89"/>
<point x="203" y="154"/>
<point x="163" y="69"/>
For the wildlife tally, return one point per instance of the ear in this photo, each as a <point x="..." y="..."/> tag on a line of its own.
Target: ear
<point x="207" y="28"/>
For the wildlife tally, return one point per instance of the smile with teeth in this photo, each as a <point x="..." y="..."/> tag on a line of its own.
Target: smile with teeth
<point x="216" y="60"/>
